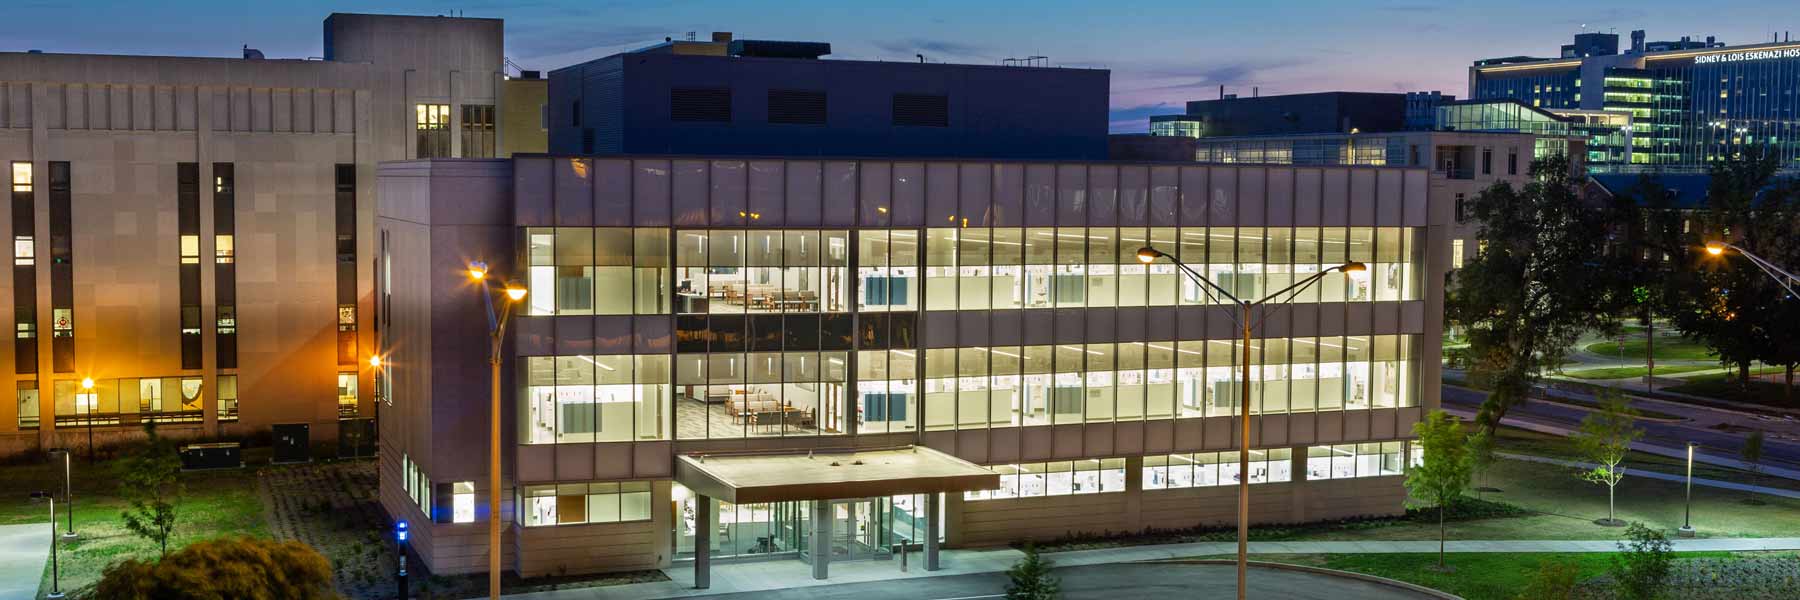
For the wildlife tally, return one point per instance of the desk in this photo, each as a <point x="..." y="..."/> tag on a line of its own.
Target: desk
<point x="692" y="303"/>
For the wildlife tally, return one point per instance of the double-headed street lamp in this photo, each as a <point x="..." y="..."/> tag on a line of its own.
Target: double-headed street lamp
<point x="55" y="571"/>
<point x="510" y="294"/>
<point x="1780" y="275"/>
<point x="1242" y="317"/>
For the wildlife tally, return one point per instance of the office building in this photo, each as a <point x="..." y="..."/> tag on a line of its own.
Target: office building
<point x="821" y="359"/>
<point x="195" y="236"/>
<point x="1690" y="103"/>
<point x="1291" y="114"/>
<point x="771" y="98"/>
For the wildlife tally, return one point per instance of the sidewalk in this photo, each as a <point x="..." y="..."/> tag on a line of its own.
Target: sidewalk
<point x="780" y="574"/>
<point x="1647" y="474"/>
<point x="24" y="550"/>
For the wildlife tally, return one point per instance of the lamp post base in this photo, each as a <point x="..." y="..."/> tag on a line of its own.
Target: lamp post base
<point x="53" y="596"/>
<point x="1685" y="531"/>
<point x="69" y="535"/>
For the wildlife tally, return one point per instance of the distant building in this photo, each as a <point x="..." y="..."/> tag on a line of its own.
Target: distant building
<point x="1147" y="147"/>
<point x="1322" y="112"/>
<point x="752" y="97"/>
<point x="1689" y="102"/>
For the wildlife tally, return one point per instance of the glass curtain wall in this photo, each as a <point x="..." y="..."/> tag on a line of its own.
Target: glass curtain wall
<point x="761" y="394"/>
<point x="1069" y="267"/>
<point x="597" y="271"/>
<point x="606" y="398"/>
<point x="1006" y="386"/>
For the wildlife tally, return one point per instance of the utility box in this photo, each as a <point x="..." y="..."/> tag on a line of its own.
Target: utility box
<point x="220" y="455"/>
<point x="293" y="443"/>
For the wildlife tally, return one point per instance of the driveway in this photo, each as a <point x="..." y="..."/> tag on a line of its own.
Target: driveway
<point x="1110" y="582"/>
<point x="23" y="551"/>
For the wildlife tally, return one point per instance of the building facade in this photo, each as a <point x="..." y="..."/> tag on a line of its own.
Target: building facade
<point x="1689" y="103"/>
<point x="195" y="236"/>
<point x="749" y="97"/>
<point x="1293" y="114"/>
<point x="691" y="320"/>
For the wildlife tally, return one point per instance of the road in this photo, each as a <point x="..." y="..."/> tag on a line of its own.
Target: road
<point x="1108" y="582"/>
<point x="1777" y="451"/>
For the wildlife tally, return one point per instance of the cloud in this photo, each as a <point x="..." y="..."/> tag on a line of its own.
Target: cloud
<point x="1237" y="72"/>
<point x="933" y="48"/>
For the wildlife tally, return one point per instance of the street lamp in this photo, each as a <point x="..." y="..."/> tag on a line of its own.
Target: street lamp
<point x="68" y="496"/>
<point x="1148" y="255"/>
<point x="55" y="572"/>
<point x="1780" y="275"/>
<point x="1687" y="516"/>
<point x="510" y="294"/>
<point x="87" y="389"/>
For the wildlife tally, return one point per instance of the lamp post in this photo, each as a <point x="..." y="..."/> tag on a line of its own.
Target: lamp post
<point x="55" y="571"/>
<point x="400" y="538"/>
<point x="1780" y="275"/>
<point x="87" y="389"/>
<point x="68" y="495"/>
<point x="1687" y="515"/>
<point x="510" y="294"/>
<point x="1148" y="255"/>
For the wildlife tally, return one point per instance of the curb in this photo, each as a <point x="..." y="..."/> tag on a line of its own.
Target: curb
<point x="1439" y="594"/>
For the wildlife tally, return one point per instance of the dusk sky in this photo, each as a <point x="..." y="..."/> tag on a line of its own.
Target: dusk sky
<point x="1161" y="53"/>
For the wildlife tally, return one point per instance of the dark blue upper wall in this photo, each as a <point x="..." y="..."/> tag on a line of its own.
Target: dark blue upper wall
<point x="995" y="112"/>
<point x="1323" y="112"/>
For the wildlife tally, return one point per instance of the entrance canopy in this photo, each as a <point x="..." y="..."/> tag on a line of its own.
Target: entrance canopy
<point x="752" y="478"/>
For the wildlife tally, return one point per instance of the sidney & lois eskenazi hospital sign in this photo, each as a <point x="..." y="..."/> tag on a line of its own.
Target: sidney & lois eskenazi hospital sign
<point x="1707" y="59"/>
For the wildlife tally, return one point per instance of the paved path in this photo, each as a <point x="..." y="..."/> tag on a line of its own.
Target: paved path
<point x="786" y="574"/>
<point x="24" y="549"/>
<point x="1111" y="583"/>
<point x="1647" y="474"/>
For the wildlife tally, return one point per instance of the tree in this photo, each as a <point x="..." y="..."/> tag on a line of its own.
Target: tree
<point x="1030" y="578"/>
<point x="1725" y="302"/>
<point x="150" y="481"/>
<point x="1640" y="567"/>
<point x="1481" y="456"/>
<point x="1605" y="438"/>
<point x="1542" y="278"/>
<point x="1439" y="478"/>
<point x="250" y="568"/>
<point x="1752" y="455"/>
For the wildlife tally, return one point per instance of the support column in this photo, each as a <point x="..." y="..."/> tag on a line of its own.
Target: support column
<point x="933" y="523"/>
<point x="703" y="532"/>
<point x="821" y="550"/>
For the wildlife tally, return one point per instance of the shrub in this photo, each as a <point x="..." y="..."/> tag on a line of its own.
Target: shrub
<point x="246" y="568"/>
<point x="1030" y="578"/>
<point x="1642" y="565"/>
<point x="1552" y="581"/>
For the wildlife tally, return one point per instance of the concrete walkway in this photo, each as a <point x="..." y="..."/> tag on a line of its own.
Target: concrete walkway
<point x="1647" y="474"/>
<point x="24" y="550"/>
<point x="782" y="574"/>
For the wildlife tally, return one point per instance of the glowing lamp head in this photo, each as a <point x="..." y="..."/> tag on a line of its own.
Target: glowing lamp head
<point x="375" y="361"/>
<point x="515" y="293"/>
<point x="1715" y="248"/>
<point x="478" y="270"/>
<point x="1353" y="267"/>
<point x="87" y="383"/>
<point x="1148" y="255"/>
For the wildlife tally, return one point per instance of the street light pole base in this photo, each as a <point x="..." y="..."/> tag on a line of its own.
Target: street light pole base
<point x="53" y="596"/>
<point x="1685" y="531"/>
<point x="69" y="535"/>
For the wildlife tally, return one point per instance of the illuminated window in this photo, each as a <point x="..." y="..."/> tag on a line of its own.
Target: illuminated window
<point x="346" y="391"/>
<point x="1456" y="254"/>
<point x="462" y="502"/>
<point x="228" y="398"/>
<point x="224" y="249"/>
<point x="24" y="250"/>
<point x="433" y="128"/>
<point x="576" y="503"/>
<point x="190" y="249"/>
<point x="21" y="177"/>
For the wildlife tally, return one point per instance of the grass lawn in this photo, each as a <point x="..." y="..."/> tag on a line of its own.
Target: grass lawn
<point x="1478" y="575"/>
<point x="1724" y="386"/>
<point x="1638" y="371"/>
<point x="1671" y="348"/>
<point x="216" y="503"/>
